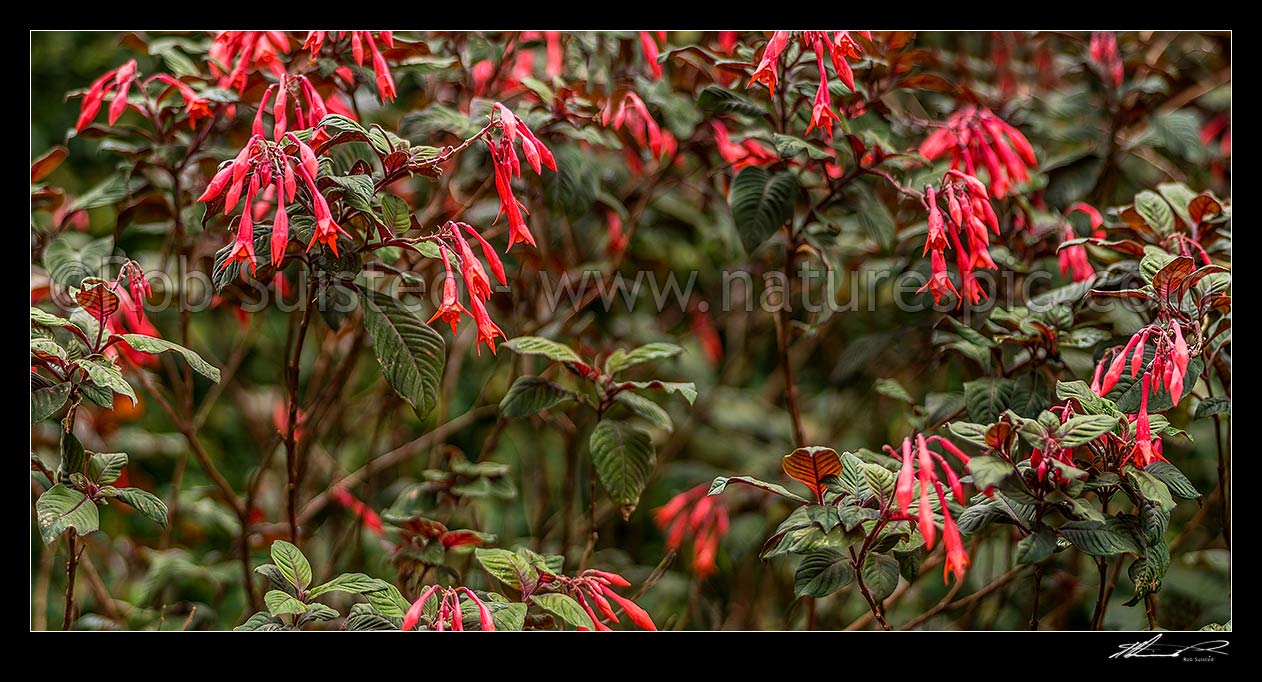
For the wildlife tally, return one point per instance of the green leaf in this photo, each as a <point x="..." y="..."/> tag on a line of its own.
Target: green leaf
<point x="411" y="354"/>
<point x="47" y="348"/>
<point x="105" y="374"/>
<point x="876" y="221"/>
<point x="319" y="612"/>
<point x="1036" y="547"/>
<point x="822" y="573"/>
<point x="509" y="568"/>
<point x="148" y="504"/>
<point x="61" y="508"/>
<point x="620" y="360"/>
<point x="529" y="395"/>
<point x="149" y="344"/>
<point x="259" y="621"/>
<point x="1155" y="211"/>
<point x="718" y="100"/>
<point x="73" y="457"/>
<point x="292" y="564"/>
<point x="970" y="432"/>
<point x="388" y="601"/>
<point x="1178" y="484"/>
<point x="686" y="389"/>
<point x="537" y="345"/>
<point x="47" y="319"/>
<point x="1096" y="539"/>
<point x="1150" y="487"/>
<point x="565" y="608"/>
<point x="880" y="574"/>
<point x="720" y="484"/>
<point x="1212" y="406"/>
<point x="891" y="388"/>
<point x="354" y="583"/>
<point x="761" y="203"/>
<point x="1083" y="429"/>
<point x="279" y="603"/>
<point x="989" y="471"/>
<point x="788" y="146"/>
<point x="397" y="213"/>
<point x="646" y="408"/>
<point x="987" y="398"/>
<point x="106" y="467"/>
<point x="46" y="401"/>
<point x="624" y="459"/>
<point x="881" y="481"/>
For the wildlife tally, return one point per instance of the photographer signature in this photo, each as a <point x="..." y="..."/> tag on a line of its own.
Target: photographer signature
<point x="1151" y="649"/>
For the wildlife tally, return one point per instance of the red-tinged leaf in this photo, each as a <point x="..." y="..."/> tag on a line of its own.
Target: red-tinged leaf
<point x="810" y="465"/>
<point x="97" y="299"/>
<point x="1200" y="274"/>
<point x="1169" y="279"/>
<point x="464" y="538"/>
<point x="48" y="163"/>
<point x="1127" y="246"/>
<point x="1124" y="293"/>
<point x="1204" y="206"/>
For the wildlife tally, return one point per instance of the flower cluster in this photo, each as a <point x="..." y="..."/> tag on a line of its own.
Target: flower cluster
<point x="117" y="81"/>
<point x="749" y="152"/>
<point x="508" y="166"/>
<point x="296" y="90"/>
<point x="963" y="227"/>
<point x="840" y="47"/>
<point x="1105" y="54"/>
<point x="475" y="279"/>
<point x="448" y="616"/>
<point x="359" y="40"/>
<point x="919" y="467"/>
<point x="596" y="587"/>
<point x="131" y="307"/>
<point x="195" y="105"/>
<point x="633" y="113"/>
<point x="978" y="138"/>
<point x="1169" y="368"/>
<point x="693" y="513"/>
<point x="235" y="54"/>
<point x="1073" y="258"/>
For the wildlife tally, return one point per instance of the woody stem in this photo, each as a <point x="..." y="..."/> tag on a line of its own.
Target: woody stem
<point x="783" y="338"/>
<point x="291" y="444"/>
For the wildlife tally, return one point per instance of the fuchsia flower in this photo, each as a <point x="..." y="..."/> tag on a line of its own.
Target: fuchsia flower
<point x="822" y="115"/>
<point x="651" y="51"/>
<point x="749" y="152"/>
<point x="596" y="587"/>
<point x="839" y="48"/>
<point x="1169" y="363"/>
<point x="241" y="50"/>
<point x="634" y="114"/>
<point x="118" y="81"/>
<point x="767" y="66"/>
<point x="979" y="137"/>
<point x="965" y="226"/>
<point x="507" y="166"/>
<point x="449" y="616"/>
<point x="370" y="518"/>
<point x="359" y="39"/>
<point x="917" y="476"/>
<point x="1074" y="258"/>
<point x="1105" y="54"/>
<point x="197" y="106"/>
<point x="451" y="309"/>
<point x="693" y="513"/>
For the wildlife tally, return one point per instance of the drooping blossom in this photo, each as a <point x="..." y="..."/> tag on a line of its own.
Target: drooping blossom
<point x="840" y="47"/>
<point x="242" y="52"/>
<point x="749" y="152"/>
<point x="360" y="40"/>
<point x="978" y="139"/>
<point x="1107" y="57"/>
<point x="196" y="106"/>
<point x="1073" y="259"/>
<point x="1169" y="361"/>
<point x="964" y="227"/>
<point x="450" y="309"/>
<point x="634" y="115"/>
<point x="117" y="81"/>
<point x="694" y="514"/>
<point x="593" y="589"/>
<point x="918" y="475"/>
<point x="366" y="514"/>
<point x="448" y="615"/>
<point x="648" y="43"/>
<point x="131" y="318"/>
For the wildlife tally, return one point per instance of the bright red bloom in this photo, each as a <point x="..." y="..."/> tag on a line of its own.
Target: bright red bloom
<point x="979" y="136"/>
<point x="939" y="283"/>
<point x="451" y="309"/>
<point x="241" y="50"/>
<point x="596" y="587"/>
<point x="449" y="614"/>
<point x="361" y="511"/>
<point x="822" y="114"/>
<point x="767" y="67"/>
<point x="634" y="114"/>
<point x="651" y="51"/>
<point x="487" y="330"/>
<point x="119" y="82"/>
<point x="917" y="476"/>
<point x="1105" y="54"/>
<point x="693" y="513"/>
<point x="750" y="152"/>
<point x="195" y="105"/>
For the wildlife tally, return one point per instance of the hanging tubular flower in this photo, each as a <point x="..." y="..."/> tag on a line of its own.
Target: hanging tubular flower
<point x="965" y="226"/>
<point x="117" y="81"/>
<point x="243" y="51"/>
<point x="1169" y="361"/>
<point x="1073" y="259"/>
<point x="767" y="67"/>
<point x="634" y="114"/>
<point x="977" y="137"/>
<point x="1107" y="57"/>
<point x="749" y="152"/>
<point x="507" y="166"/>
<point x="839" y="48"/>
<point x="487" y="330"/>
<point x="451" y="309"/>
<point x="693" y="513"/>
<point x="918" y="475"/>
<point x="596" y="587"/>
<point x="651" y="51"/>
<point x="195" y="105"/>
<point x="315" y="40"/>
<point x="822" y="115"/>
<point x="448" y="615"/>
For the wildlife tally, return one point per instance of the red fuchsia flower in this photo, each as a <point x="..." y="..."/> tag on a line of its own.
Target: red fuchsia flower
<point x="366" y="515"/>
<point x="242" y="51"/>
<point x="448" y="615"/>
<point x="195" y="105"/>
<point x="727" y="41"/>
<point x="556" y="54"/>
<point x="749" y="152"/>
<point x="593" y="587"/>
<point x="507" y="166"/>
<point x="977" y="137"/>
<point x="965" y="227"/>
<point x="693" y="513"/>
<point x="1074" y="258"/>
<point x="840" y="47"/>
<point x="634" y="115"/>
<point x="1144" y="452"/>
<point x="822" y="115"/>
<point x="487" y="330"/>
<point x="131" y="316"/>
<point x="768" y="65"/>
<point x="451" y="309"/>
<point x="1169" y="364"/>
<point x="916" y="477"/>
<point x="117" y="81"/>
<point x="651" y="51"/>
<point x="1105" y="54"/>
